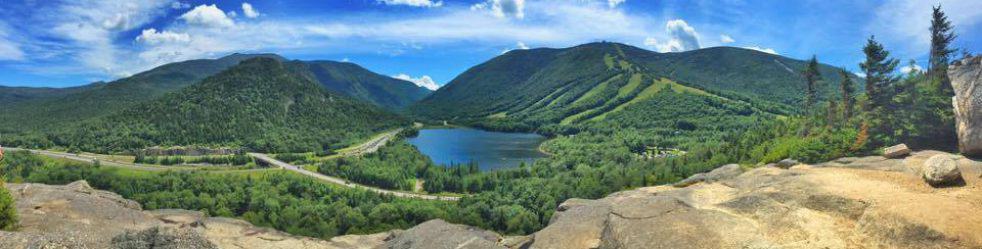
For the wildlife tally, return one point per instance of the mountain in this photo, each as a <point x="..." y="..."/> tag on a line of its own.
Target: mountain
<point x="263" y="103"/>
<point x="102" y="99"/>
<point x="11" y="95"/>
<point x="593" y="81"/>
<point x="360" y="83"/>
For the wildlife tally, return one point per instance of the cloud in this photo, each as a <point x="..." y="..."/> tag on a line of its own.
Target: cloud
<point x="518" y="45"/>
<point x="765" y="50"/>
<point x="503" y="8"/>
<point x="207" y="15"/>
<point x="414" y="3"/>
<point x="911" y="68"/>
<point x="860" y="74"/>
<point x="614" y="3"/>
<point x="179" y="5"/>
<point x="9" y="50"/>
<point x="424" y="81"/>
<point x="905" y="23"/>
<point x="682" y="37"/>
<point x="249" y="11"/>
<point x="725" y="39"/>
<point x="152" y="37"/>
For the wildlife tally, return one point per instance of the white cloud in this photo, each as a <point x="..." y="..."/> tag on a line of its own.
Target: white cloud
<point x="207" y="15"/>
<point x="725" y="39"/>
<point x="9" y="50"/>
<point x="682" y="37"/>
<point x="152" y="37"/>
<point x="231" y="14"/>
<point x="860" y="74"/>
<point x="905" y="23"/>
<point x="179" y="5"/>
<point x="765" y="50"/>
<point x="911" y="68"/>
<point x="521" y="45"/>
<point x="614" y="3"/>
<point x="423" y="81"/>
<point x="249" y="11"/>
<point x="414" y="3"/>
<point x="503" y="8"/>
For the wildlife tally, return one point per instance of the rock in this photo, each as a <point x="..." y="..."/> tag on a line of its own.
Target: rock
<point x="896" y="151"/>
<point x="77" y="216"/>
<point x="440" y="234"/>
<point x="941" y="170"/>
<point x="722" y="173"/>
<point x="787" y="163"/>
<point x="863" y="203"/>
<point x="966" y="80"/>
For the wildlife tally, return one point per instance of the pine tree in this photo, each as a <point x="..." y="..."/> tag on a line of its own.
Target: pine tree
<point x="879" y="73"/>
<point x="812" y="76"/>
<point x="846" y="88"/>
<point x="941" y="38"/>
<point x="8" y="212"/>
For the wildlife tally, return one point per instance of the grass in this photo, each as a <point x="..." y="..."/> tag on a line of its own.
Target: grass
<point x="596" y="90"/>
<point x="499" y="115"/>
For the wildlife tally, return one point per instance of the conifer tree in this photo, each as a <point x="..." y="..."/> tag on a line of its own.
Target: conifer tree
<point x="812" y="76"/>
<point x="941" y="38"/>
<point x="846" y="88"/>
<point x="879" y="73"/>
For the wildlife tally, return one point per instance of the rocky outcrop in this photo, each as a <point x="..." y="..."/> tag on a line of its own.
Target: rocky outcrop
<point x="966" y="80"/>
<point x="896" y="151"/>
<point x="723" y="172"/>
<point x="77" y="216"/>
<point x="440" y="234"/>
<point x="869" y="202"/>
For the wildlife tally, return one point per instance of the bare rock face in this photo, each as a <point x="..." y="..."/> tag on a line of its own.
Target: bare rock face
<point x="966" y="79"/>
<point x="896" y="151"/>
<point x="722" y="173"/>
<point x="941" y="170"/>
<point x="440" y="234"/>
<point x="77" y="216"/>
<point x="868" y="202"/>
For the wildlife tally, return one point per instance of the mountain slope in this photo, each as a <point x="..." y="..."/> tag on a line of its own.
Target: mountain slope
<point x="588" y="82"/>
<point x="360" y="83"/>
<point x="100" y="100"/>
<point x="263" y="104"/>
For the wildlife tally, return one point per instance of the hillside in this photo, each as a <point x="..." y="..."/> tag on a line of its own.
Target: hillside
<point x="262" y="103"/>
<point x="355" y="81"/>
<point x="100" y="100"/>
<point x="592" y="81"/>
<point x="12" y="95"/>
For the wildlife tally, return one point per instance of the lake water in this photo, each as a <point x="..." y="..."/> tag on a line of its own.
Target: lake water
<point x="490" y="150"/>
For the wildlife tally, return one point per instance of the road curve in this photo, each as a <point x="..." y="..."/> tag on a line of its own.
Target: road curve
<point x="345" y="183"/>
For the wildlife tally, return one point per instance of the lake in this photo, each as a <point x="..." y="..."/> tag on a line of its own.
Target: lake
<point x="490" y="150"/>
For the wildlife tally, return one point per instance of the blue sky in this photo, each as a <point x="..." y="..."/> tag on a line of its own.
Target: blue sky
<point x="68" y="43"/>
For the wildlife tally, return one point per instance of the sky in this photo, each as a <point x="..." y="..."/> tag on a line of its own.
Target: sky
<point x="51" y="43"/>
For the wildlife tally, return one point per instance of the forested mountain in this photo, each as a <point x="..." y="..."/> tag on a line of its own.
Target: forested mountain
<point x="590" y="81"/>
<point x="102" y="99"/>
<point x="11" y="95"/>
<point x="355" y="81"/>
<point x="263" y="104"/>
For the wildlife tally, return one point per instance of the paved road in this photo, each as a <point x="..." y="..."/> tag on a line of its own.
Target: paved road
<point x="370" y="146"/>
<point x="76" y="157"/>
<point x="345" y="183"/>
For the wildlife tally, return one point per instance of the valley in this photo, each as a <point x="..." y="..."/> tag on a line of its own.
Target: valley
<point x="596" y="145"/>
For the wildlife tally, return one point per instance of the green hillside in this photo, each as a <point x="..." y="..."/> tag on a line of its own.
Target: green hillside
<point x="263" y="104"/>
<point x="13" y="95"/>
<point x="360" y="83"/>
<point x="587" y="83"/>
<point x="102" y="99"/>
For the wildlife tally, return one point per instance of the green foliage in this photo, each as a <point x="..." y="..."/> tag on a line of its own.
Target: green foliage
<point x="359" y="83"/>
<point x="261" y="104"/>
<point x="8" y="209"/>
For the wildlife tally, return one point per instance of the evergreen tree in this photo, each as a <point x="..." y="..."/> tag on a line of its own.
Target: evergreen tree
<point x="8" y="211"/>
<point x="846" y="87"/>
<point x="812" y="76"/>
<point x="879" y="73"/>
<point x="941" y="38"/>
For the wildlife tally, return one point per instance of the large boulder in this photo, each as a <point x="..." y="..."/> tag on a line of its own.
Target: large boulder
<point x="965" y="80"/>
<point x="941" y="170"/>
<point x="896" y="151"/>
